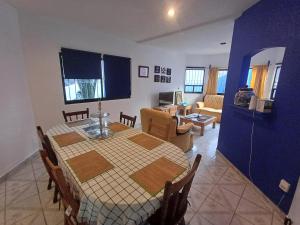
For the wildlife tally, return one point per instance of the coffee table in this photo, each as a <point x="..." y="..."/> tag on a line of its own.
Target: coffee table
<point x="200" y="120"/>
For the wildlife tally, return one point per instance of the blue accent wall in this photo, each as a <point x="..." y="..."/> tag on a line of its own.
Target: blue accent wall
<point x="276" y="146"/>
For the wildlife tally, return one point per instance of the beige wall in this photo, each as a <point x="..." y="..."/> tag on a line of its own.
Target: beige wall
<point x="17" y="132"/>
<point x="42" y="39"/>
<point x="219" y="60"/>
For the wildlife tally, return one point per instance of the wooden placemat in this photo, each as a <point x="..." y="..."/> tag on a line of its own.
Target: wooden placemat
<point x="78" y="123"/>
<point x="146" y="141"/>
<point x="154" y="176"/>
<point x="89" y="165"/>
<point x="68" y="138"/>
<point x="117" y="127"/>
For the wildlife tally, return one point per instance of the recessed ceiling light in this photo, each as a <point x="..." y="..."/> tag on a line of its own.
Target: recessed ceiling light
<point x="171" y="12"/>
<point x="223" y="43"/>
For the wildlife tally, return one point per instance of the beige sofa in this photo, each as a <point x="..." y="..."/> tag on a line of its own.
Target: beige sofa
<point x="164" y="126"/>
<point x="212" y="106"/>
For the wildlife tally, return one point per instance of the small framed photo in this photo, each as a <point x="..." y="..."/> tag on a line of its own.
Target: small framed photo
<point x="144" y="71"/>
<point x="163" y="70"/>
<point x="168" y="79"/>
<point x="163" y="79"/>
<point x="156" y="78"/>
<point x="156" y="69"/>
<point x="169" y="71"/>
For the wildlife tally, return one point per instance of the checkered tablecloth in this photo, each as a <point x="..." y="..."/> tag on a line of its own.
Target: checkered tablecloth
<point x="113" y="197"/>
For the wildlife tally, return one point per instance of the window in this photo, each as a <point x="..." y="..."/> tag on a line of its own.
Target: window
<point x="89" y="76"/>
<point x="194" y="79"/>
<point x="275" y="82"/>
<point x="221" y="83"/>
<point x="249" y="78"/>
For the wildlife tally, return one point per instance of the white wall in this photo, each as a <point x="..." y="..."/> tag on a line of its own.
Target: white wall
<point x="42" y="39"/>
<point x="17" y="133"/>
<point x="219" y="60"/>
<point x="272" y="56"/>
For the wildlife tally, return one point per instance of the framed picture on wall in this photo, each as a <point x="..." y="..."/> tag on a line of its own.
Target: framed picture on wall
<point x="163" y="79"/>
<point x="163" y="70"/>
<point x="156" y="78"/>
<point x="168" y="79"/>
<point x="144" y="71"/>
<point x="156" y="69"/>
<point x="169" y="71"/>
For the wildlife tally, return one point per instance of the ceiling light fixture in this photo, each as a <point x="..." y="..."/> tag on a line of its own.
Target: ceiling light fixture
<point x="171" y="12"/>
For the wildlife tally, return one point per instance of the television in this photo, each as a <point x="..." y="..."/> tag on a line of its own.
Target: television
<point x="166" y="98"/>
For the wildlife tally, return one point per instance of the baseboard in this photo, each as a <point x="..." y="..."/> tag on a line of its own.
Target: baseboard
<point x="278" y="210"/>
<point x="17" y="166"/>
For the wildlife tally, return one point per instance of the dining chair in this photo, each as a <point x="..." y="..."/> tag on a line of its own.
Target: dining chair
<point x="44" y="156"/>
<point x="127" y="120"/>
<point x="71" y="205"/>
<point x="68" y="116"/>
<point x="174" y="203"/>
<point x="41" y="135"/>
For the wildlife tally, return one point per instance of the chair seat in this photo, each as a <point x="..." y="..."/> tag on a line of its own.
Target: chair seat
<point x="211" y="110"/>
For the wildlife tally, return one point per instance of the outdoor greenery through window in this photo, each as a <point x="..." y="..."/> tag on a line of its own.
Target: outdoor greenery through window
<point x="221" y="82"/>
<point x="82" y="89"/>
<point x="194" y="79"/>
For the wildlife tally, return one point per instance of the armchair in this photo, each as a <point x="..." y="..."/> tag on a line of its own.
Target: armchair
<point x="164" y="126"/>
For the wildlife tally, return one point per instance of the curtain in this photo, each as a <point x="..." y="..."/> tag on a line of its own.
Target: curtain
<point x="212" y="81"/>
<point x="258" y="81"/>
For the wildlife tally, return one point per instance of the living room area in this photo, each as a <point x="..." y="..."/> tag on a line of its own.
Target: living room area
<point x="149" y="112"/>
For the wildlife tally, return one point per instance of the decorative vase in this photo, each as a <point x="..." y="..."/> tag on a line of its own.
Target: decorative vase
<point x="243" y="97"/>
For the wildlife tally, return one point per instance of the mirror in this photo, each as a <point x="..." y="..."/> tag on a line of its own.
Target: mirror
<point x="264" y="72"/>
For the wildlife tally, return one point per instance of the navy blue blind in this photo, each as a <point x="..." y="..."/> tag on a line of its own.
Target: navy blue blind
<point x="81" y="64"/>
<point x="117" y="72"/>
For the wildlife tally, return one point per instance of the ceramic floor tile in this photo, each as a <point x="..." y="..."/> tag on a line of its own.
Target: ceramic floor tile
<point x="232" y="177"/>
<point x="1" y="217"/>
<point x="238" y="220"/>
<point x="46" y="195"/>
<point x="214" y="172"/>
<point x="225" y="197"/>
<point x="24" y="172"/>
<point x="54" y="217"/>
<point x="24" y="217"/>
<point x="22" y="194"/>
<point x="41" y="174"/>
<point x="215" y="213"/>
<point x="237" y="189"/>
<point x="256" y="197"/>
<point x="203" y="188"/>
<point x="278" y="219"/>
<point x="2" y="195"/>
<point x="253" y="213"/>
<point x="190" y="213"/>
<point x="199" y="220"/>
<point x="196" y="199"/>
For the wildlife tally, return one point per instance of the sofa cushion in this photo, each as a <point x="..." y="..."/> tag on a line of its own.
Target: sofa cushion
<point x="211" y="110"/>
<point x="214" y="101"/>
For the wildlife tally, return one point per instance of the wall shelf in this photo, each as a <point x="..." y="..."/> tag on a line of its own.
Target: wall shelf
<point x="250" y="113"/>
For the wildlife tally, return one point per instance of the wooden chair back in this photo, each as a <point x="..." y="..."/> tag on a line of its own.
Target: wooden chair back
<point x="40" y="133"/>
<point x="50" y="151"/>
<point x="127" y="120"/>
<point x="69" y="116"/>
<point x="44" y="156"/>
<point x="64" y="189"/>
<point x="174" y="204"/>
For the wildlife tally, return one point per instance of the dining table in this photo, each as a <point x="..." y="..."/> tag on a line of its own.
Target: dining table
<point x="113" y="196"/>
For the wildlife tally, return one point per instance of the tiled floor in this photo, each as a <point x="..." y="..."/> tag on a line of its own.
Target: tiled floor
<point x="219" y="195"/>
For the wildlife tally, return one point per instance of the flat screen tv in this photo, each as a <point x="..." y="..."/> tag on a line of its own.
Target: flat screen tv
<point x="166" y="98"/>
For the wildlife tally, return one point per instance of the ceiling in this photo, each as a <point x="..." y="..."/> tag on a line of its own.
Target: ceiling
<point x="197" y="28"/>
